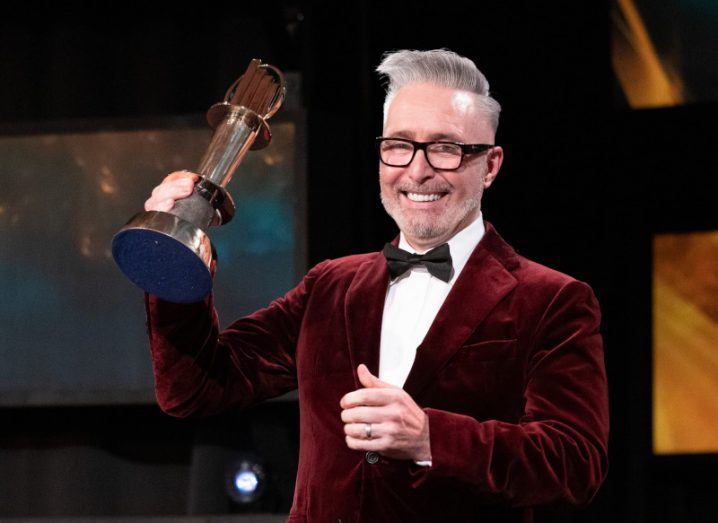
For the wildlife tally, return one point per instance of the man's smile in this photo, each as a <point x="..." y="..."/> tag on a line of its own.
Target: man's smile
<point x="424" y="197"/>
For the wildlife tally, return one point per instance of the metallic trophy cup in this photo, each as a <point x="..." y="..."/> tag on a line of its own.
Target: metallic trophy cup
<point x="168" y="254"/>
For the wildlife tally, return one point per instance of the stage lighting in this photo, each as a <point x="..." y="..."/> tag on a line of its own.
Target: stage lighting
<point x="245" y="480"/>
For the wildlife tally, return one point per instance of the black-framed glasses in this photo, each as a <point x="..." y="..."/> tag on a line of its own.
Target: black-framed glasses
<point x="441" y="155"/>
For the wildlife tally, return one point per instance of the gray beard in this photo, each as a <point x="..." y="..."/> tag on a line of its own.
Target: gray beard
<point x="423" y="229"/>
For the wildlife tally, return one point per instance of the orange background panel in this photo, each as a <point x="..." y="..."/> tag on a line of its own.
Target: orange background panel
<point x="685" y="343"/>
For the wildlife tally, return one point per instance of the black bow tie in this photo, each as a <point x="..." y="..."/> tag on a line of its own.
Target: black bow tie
<point x="437" y="261"/>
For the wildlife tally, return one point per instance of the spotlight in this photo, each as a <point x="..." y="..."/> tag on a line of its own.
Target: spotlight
<point x="245" y="480"/>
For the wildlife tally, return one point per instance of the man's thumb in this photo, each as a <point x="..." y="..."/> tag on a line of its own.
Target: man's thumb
<point x="367" y="379"/>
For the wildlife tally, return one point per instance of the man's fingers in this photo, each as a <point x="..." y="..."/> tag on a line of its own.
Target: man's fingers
<point x="359" y="430"/>
<point x="373" y="397"/>
<point x="178" y="188"/>
<point x="365" y="444"/>
<point x="363" y="415"/>
<point x="165" y="205"/>
<point x="178" y="175"/>
<point x="174" y="187"/>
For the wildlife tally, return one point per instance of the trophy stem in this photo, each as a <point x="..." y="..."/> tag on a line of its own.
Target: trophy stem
<point x="232" y="138"/>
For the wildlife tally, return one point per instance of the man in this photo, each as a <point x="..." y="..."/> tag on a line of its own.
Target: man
<point x="428" y="391"/>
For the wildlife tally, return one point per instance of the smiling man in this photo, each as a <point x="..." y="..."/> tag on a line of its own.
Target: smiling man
<point x="447" y="378"/>
<point x="434" y="196"/>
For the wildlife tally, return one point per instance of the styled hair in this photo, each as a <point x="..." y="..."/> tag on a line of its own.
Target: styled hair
<point x="440" y="67"/>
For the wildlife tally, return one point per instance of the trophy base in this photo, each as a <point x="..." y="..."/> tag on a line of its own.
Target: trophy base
<point x="165" y="256"/>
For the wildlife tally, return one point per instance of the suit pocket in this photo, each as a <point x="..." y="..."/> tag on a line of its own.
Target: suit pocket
<point x="489" y="350"/>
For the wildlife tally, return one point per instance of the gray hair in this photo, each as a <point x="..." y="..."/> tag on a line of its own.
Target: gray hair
<point x="440" y="67"/>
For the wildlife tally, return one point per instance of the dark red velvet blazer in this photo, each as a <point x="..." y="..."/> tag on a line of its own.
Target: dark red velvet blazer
<point x="511" y="375"/>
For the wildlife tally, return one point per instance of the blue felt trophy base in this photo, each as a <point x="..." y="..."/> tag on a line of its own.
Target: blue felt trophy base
<point x="165" y="256"/>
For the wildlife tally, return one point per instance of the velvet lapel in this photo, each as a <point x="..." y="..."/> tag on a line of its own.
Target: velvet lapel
<point x="483" y="282"/>
<point x="363" y="311"/>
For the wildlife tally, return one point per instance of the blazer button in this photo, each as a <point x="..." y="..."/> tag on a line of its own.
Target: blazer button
<point x="371" y="457"/>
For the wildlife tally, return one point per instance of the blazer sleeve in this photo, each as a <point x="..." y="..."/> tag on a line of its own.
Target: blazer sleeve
<point x="202" y="371"/>
<point x="557" y="452"/>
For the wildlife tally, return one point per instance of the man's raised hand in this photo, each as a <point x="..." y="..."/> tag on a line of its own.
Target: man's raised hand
<point x="175" y="186"/>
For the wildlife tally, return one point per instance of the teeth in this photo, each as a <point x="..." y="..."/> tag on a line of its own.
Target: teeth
<point x="414" y="197"/>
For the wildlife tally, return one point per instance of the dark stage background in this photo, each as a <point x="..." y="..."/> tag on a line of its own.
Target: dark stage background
<point x="585" y="184"/>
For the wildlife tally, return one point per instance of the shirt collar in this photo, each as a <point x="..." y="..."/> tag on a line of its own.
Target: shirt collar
<point x="461" y="245"/>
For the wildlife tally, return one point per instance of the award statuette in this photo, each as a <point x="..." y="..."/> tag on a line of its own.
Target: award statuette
<point x="168" y="254"/>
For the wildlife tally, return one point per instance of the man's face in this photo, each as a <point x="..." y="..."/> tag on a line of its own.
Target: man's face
<point x="429" y="205"/>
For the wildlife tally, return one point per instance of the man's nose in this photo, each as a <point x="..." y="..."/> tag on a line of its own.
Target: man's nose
<point x="419" y="169"/>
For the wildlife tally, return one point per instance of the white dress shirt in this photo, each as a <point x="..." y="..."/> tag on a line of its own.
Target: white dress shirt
<point x="413" y="301"/>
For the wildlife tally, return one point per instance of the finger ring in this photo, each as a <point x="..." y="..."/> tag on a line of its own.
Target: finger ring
<point x="367" y="430"/>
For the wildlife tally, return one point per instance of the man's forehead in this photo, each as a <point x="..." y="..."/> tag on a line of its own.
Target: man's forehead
<point x="442" y="112"/>
<point x="464" y="100"/>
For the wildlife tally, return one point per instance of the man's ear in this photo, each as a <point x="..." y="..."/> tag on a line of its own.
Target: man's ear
<point x="494" y="159"/>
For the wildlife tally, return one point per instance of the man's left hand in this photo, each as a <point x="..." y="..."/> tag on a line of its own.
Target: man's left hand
<point x="397" y="427"/>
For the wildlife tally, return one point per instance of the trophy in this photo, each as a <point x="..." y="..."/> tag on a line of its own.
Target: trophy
<point x="168" y="254"/>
